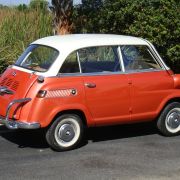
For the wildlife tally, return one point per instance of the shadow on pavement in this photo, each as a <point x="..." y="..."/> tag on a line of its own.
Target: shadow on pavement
<point x="36" y="138"/>
<point x="25" y="138"/>
<point x="121" y="131"/>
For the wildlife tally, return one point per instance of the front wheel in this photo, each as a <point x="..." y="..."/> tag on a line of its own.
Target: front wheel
<point x="169" y="120"/>
<point x="65" y="133"/>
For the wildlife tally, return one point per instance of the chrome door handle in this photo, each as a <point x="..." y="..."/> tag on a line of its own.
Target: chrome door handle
<point x="90" y="85"/>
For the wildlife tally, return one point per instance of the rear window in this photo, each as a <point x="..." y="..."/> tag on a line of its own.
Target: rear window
<point x="37" y="58"/>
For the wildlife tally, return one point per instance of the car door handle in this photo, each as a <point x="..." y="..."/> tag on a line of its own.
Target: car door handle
<point x="90" y="85"/>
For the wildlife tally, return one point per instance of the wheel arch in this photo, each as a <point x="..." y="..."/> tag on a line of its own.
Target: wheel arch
<point x="78" y="112"/>
<point x="174" y="99"/>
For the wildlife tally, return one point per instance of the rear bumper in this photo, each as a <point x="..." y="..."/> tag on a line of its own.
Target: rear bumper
<point x="11" y="124"/>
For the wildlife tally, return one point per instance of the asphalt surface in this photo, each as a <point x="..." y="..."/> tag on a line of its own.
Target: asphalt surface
<point x="111" y="153"/>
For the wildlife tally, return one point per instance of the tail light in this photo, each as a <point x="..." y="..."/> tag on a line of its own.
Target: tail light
<point x="41" y="93"/>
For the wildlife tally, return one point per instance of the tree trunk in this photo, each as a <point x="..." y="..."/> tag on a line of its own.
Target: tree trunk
<point x="62" y="10"/>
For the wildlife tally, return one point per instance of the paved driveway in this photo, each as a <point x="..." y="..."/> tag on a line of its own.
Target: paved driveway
<point x="117" y="153"/>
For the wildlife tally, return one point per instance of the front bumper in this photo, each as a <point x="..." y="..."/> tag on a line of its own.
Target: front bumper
<point x="11" y="124"/>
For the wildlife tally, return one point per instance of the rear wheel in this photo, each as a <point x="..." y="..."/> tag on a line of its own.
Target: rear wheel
<point x="169" y="120"/>
<point x="65" y="133"/>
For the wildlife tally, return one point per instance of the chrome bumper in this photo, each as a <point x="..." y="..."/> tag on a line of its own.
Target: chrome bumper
<point x="11" y="124"/>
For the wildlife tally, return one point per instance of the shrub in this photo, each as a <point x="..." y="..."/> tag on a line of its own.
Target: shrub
<point x="155" y="20"/>
<point x="18" y="29"/>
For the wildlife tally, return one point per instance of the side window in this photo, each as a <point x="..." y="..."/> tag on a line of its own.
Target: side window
<point x="138" y="58"/>
<point x="99" y="59"/>
<point x="70" y="65"/>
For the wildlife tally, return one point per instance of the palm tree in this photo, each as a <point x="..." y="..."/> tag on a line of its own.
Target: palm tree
<point x="62" y="10"/>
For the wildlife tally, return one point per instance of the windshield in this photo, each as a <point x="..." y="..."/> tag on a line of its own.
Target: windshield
<point x="37" y="58"/>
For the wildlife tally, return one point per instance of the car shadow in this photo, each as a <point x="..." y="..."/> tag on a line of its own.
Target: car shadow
<point x="25" y="138"/>
<point x="36" y="138"/>
<point x="121" y="131"/>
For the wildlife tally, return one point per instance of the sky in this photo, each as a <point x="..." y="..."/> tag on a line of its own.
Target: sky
<point x="16" y="2"/>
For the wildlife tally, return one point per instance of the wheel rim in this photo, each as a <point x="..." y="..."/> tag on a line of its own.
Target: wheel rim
<point x="173" y="120"/>
<point x="67" y="132"/>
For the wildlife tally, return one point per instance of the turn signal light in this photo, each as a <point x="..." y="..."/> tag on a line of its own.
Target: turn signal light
<point x="41" y="94"/>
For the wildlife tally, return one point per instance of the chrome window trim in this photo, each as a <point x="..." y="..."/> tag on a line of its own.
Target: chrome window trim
<point x="109" y="73"/>
<point x="143" y="71"/>
<point x="156" y="54"/>
<point x="121" y="59"/>
<point x="158" y="58"/>
<point x="155" y="59"/>
<point x="77" y="56"/>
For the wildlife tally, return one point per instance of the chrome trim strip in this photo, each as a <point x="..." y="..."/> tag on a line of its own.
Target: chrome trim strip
<point x="77" y="55"/>
<point x="109" y="73"/>
<point x="157" y="56"/>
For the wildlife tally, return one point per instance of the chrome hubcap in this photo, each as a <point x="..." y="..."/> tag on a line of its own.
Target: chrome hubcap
<point x="66" y="132"/>
<point x="173" y="120"/>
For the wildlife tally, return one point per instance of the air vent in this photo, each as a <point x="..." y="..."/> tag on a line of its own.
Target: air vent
<point x="8" y="82"/>
<point x="3" y="82"/>
<point x="15" y="85"/>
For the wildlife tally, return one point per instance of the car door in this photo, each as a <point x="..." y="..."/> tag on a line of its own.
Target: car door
<point x="106" y="87"/>
<point x="150" y="83"/>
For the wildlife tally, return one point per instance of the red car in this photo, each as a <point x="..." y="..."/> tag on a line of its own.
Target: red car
<point x="66" y="83"/>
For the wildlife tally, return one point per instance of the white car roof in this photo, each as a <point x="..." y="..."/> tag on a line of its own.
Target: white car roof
<point x="69" y="43"/>
<point x="76" y="41"/>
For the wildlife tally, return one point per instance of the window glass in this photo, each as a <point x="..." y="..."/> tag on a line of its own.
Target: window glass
<point x="99" y="59"/>
<point x="71" y="64"/>
<point x="37" y="58"/>
<point x="138" y="58"/>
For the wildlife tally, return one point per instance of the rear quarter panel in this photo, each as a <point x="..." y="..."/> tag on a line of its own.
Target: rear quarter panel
<point x="43" y="110"/>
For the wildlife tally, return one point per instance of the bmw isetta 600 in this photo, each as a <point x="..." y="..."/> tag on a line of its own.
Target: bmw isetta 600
<point x="66" y="83"/>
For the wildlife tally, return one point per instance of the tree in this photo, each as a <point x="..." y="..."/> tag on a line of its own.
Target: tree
<point x="87" y="16"/>
<point x="63" y="11"/>
<point x="155" y="20"/>
<point x="39" y="4"/>
<point x="22" y="7"/>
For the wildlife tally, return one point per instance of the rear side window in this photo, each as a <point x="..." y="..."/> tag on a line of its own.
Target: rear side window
<point x="71" y="64"/>
<point x="138" y="58"/>
<point x="99" y="59"/>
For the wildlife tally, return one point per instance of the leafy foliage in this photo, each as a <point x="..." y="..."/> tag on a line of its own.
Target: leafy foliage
<point x="155" y="20"/>
<point x="22" y="7"/>
<point x="87" y="16"/>
<point x="18" y="28"/>
<point x="39" y="4"/>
